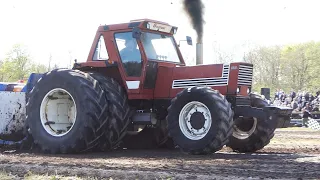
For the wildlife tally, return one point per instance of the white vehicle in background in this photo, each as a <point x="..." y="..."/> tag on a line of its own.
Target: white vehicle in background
<point x="13" y="96"/>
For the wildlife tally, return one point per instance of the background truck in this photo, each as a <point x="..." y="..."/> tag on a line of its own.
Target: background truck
<point x="135" y="91"/>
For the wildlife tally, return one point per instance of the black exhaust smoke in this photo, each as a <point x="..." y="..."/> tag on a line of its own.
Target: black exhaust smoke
<point x="194" y="9"/>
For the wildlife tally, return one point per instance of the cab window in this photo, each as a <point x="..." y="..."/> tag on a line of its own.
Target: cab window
<point x="101" y="52"/>
<point x="129" y="53"/>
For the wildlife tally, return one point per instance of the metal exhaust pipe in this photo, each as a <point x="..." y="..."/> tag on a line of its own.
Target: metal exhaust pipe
<point x="199" y="53"/>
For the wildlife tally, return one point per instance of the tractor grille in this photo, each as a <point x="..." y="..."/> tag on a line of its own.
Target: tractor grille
<point x="215" y="81"/>
<point x="245" y="75"/>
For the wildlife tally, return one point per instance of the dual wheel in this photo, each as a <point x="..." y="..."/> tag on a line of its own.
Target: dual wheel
<point x="71" y="111"/>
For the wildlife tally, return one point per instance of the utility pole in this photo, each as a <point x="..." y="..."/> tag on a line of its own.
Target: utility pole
<point x="70" y="60"/>
<point x="50" y="59"/>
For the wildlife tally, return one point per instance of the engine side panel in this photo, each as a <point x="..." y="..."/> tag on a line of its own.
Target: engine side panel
<point x="199" y="71"/>
<point x="12" y="115"/>
<point x="215" y="76"/>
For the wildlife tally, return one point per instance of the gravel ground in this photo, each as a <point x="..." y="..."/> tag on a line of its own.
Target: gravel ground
<point x="292" y="154"/>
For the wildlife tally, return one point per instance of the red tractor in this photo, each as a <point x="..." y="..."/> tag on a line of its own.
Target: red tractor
<point x="135" y="91"/>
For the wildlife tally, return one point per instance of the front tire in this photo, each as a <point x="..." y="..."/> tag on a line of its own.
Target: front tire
<point x="200" y="120"/>
<point x="251" y="134"/>
<point x="66" y="112"/>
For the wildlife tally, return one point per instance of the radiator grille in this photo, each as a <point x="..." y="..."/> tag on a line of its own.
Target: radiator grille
<point x="215" y="81"/>
<point x="245" y="75"/>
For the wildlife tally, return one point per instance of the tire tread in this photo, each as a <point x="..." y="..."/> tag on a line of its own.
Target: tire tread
<point x="262" y="135"/>
<point x="224" y="126"/>
<point x="92" y="134"/>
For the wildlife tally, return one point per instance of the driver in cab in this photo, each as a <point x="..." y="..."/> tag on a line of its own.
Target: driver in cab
<point x="130" y="53"/>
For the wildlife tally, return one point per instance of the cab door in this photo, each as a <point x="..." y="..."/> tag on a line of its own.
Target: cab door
<point x="131" y="63"/>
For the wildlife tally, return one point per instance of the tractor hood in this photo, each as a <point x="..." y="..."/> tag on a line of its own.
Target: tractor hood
<point x="208" y="75"/>
<point x="215" y="75"/>
<point x="234" y="78"/>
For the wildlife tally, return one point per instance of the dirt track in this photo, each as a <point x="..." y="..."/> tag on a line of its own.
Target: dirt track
<point x="292" y="154"/>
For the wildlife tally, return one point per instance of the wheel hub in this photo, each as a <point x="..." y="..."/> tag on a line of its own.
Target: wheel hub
<point x="244" y="127"/>
<point x="58" y="112"/>
<point x="195" y="120"/>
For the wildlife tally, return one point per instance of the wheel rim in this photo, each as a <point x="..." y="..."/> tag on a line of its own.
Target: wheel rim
<point x="58" y="112"/>
<point x="195" y="120"/>
<point x="240" y="132"/>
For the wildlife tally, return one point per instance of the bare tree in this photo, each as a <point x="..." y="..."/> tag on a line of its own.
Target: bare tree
<point x="222" y="56"/>
<point x="266" y="61"/>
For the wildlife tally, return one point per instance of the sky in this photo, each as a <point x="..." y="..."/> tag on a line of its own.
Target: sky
<point x="65" y="29"/>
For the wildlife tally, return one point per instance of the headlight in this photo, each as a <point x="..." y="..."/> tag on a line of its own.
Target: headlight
<point x="249" y="90"/>
<point x="238" y="89"/>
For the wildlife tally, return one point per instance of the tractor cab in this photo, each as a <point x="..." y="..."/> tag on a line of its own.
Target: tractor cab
<point x="140" y="46"/>
<point x="132" y="52"/>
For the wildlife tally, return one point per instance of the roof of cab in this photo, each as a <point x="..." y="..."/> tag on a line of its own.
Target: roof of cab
<point x="128" y="25"/>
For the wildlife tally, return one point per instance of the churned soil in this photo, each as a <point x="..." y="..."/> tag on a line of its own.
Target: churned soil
<point x="292" y="154"/>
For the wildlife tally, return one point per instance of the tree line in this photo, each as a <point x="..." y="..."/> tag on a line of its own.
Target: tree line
<point x="289" y="67"/>
<point x="18" y="65"/>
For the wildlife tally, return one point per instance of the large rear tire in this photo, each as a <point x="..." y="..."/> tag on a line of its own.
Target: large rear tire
<point x="200" y="120"/>
<point x="251" y="134"/>
<point x="118" y="110"/>
<point x="66" y="112"/>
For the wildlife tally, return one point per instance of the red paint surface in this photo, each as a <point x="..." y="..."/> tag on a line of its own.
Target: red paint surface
<point x="200" y="71"/>
<point x="163" y="82"/>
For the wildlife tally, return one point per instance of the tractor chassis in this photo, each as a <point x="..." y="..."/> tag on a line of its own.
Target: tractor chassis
<point x="279" y="116"/>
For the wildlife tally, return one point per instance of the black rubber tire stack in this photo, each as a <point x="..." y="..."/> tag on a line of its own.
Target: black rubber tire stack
<point x="221" y="114"/>
<point x="92" y="117"/>
<point x="118" y="111"/>
<point x="262" y="135"/>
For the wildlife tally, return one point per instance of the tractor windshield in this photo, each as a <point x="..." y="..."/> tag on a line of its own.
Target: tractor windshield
<point x="159" y="47"/>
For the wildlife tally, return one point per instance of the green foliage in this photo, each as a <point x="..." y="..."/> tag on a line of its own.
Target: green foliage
<point x="38" y="68"/>
<point x="18" y="65"/>
<point x="292" y="67"/>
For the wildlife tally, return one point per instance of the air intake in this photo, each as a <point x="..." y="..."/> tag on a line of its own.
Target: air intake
<point x="245" y="75"/>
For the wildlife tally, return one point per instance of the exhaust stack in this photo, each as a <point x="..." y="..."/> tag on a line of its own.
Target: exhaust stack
<point x="199" y="53"/>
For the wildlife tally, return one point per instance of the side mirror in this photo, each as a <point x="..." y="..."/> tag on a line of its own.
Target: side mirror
<point x="189" y="40"/>
<point x="136" y="33"/>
